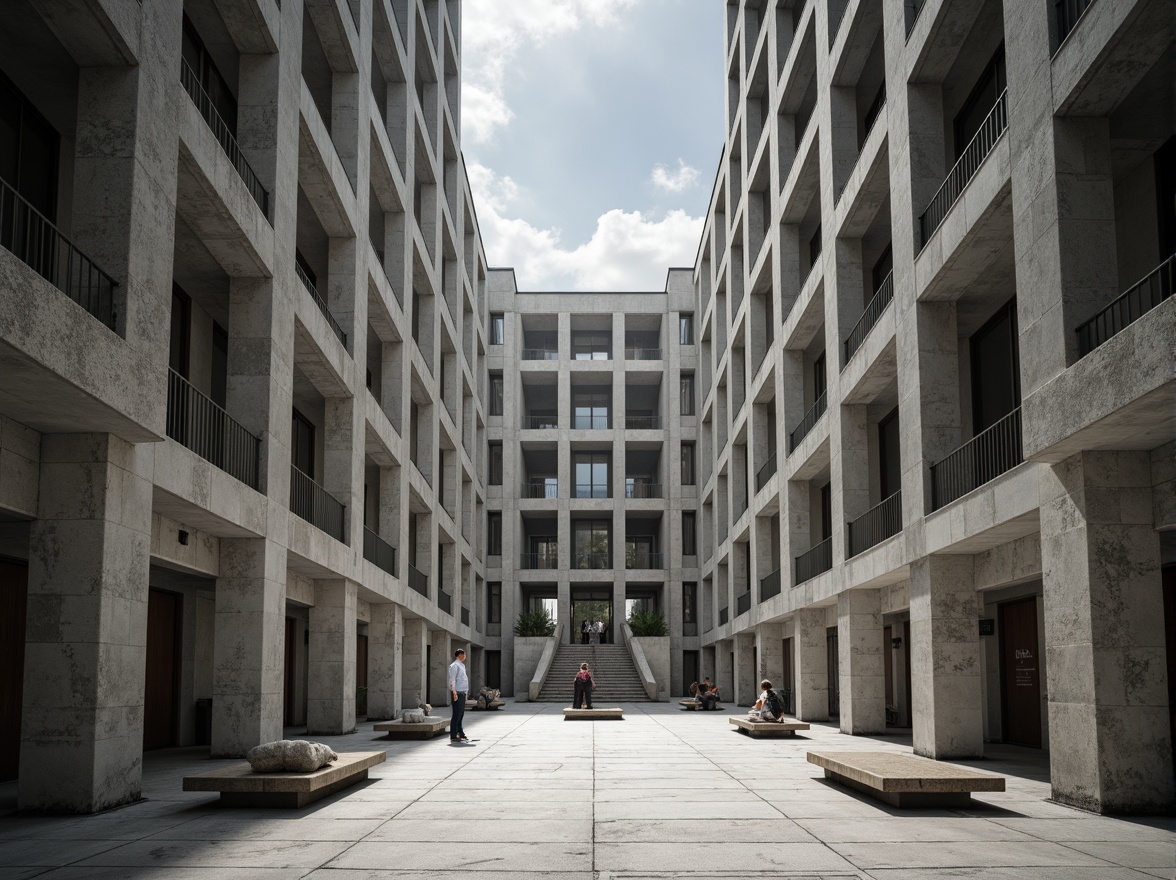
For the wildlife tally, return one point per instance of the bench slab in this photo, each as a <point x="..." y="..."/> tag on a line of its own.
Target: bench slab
<point x="592" y="714"/>
<point x="904" y="780"/>
<point x="430" y="727"/>
<point x="768" y="728"/>
<point x="239" y="786"/>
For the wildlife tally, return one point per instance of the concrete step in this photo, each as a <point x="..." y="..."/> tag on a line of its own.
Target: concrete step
<point x="612" y="668"/>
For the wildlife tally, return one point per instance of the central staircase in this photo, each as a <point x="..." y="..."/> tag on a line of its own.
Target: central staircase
<point x="611" y="666"/>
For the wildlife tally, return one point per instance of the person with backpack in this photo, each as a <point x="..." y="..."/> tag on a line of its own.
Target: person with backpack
<point x="769" y="706"/>
<point x="583" y="685"/>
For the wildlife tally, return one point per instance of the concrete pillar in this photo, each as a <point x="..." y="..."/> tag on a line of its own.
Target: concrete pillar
<point x="946" y="670"/>
<point x="1110" y="746"/>
<point x="86" y="639"/>
<point x="385" y="643"/>
<point x="860" y="662"/>
<point x="330" y="698"/>
<point x="439" y="659"/>
<point x="769" y="647"/>
<point x="249" y="646"/>
<point x="724" y="674"/>
<point x="812" y="665"/>
<point x="413" y="673"/>
<point x="746" y="681"/>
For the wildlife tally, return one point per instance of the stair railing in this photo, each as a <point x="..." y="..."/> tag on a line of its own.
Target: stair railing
<point x="545" y="661"/>
<point x="639" y="662"/>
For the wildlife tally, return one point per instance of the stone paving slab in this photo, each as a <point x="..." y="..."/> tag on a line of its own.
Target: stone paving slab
<point x="556" y="856"/>
<point x="739" y="857"/>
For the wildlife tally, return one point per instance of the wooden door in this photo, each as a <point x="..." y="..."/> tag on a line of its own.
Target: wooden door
<point x="14" y="592"/>
<point x="1020" y="673"/>
<point x="162" y="682"/>
<point x="888" y="665"/>
<point x="291" y="663"/>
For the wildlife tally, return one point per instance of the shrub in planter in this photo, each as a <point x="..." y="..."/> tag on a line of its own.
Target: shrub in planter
<point x="648" y="623"/>
<point x="534" y="623"/>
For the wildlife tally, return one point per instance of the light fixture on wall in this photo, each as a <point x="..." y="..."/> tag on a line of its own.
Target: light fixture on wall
<point x="896" y="642"/>
<point x="183" y="536"/>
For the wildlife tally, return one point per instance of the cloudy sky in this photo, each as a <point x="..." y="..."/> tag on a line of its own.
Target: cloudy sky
<point x="591" y="131"/>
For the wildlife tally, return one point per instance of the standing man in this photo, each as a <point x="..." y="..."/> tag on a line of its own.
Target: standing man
<point x="459" y="686"/>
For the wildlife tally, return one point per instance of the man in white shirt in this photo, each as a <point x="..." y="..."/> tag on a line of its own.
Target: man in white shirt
<point x="459" y="686"/>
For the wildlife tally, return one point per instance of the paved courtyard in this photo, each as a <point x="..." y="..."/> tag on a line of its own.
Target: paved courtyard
<point x="663" y="794"/>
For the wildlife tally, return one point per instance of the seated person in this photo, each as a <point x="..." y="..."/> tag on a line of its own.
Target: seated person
<point x="769" y="706"/>
<point x="708" y="694"/>
<point x="694" y="688"/>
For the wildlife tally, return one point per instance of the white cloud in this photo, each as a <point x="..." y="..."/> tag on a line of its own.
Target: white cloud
<point x="627" y="251"/>
<point x="675" y="181"/>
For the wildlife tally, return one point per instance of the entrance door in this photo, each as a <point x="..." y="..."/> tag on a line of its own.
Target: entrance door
<point x="162" y="686"/>
<point x="689" y="670"/>
<point x="14" y="592"/>
<point x="1020" y="676"/>
<point x="591" y="607"/>
<point x="291" y="661"/>
<point x="834" y="673"/>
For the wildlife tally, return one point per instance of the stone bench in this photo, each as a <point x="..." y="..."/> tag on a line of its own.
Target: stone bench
<point x="768" y="728"/>
<point x="592" y="714"/>
<point x="430" y="727"/>
<point x="904" y="780"/>
<point x="239" y="786"/>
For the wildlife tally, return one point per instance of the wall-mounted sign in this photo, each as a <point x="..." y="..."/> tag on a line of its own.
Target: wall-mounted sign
<point x="988" y="627"/>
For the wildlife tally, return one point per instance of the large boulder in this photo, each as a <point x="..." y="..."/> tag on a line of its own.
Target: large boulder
<point x="294" y="756"/>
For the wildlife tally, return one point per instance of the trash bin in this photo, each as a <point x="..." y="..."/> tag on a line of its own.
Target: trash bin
<point x="204" y="722"/>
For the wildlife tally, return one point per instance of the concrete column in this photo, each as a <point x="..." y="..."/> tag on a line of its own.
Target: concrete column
<point x="85" y="644"/>
<point x="946" y="670"/>
<point x="413" y="662"/>
<point x="746" y="682"/>
<point x="330" y="698"/>
<point x="861" y="664"/>
<point x="812" y="665"/>
<point x="1110" y="746"/>
<point x="769" y="645"/>
<point x="724" y="674"/>
<point x="385" y="641"/>
<point x="439" y="659"/>
<point x="249" y="646"/>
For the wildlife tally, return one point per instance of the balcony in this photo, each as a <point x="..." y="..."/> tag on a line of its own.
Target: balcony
<point x="199" y="424"/>
<point x="815" y="561"/>
<point x="444" y="601"/>
<point x="969" y="163"/>
<point x="724" y="614"/>
<point x="1129" y="308"/>
<point x="315" y="504"/>
<point x="766" y="472"/>
<point x="540" y="489"/>
<point x="770" y="586"/>
<point x="743" y="603"/>
<point x="592" y="559"/>
<point x="540" y="423"/>
<point x="985" y="457"/>
<point x="806" y="424"/>
<point x="878" y="304"/>
<point x="1068" y="12"/>
<point x="321" y="303"/>
<point x="418" y="580"/>
<point x="547" y="560"/>
<point x="643" y="354"/>
<point x="35" y="241"/>
<point x="642" y="423"/>
<point x="592" y="490"/>
<point x="641" y="490"/>
<point x="540" y="354"/>
<point x="643" y="560"/>
<point x="220" y="130"/>
<point x="379" y="552"/>
<point x="875" y="525"/>
<point x="590" y="422"/>
<point x="465" y="617"/>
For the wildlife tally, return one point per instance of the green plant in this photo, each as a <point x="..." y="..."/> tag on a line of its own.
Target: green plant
<point x="535" y="623"/>
<point x="648" y="623"/>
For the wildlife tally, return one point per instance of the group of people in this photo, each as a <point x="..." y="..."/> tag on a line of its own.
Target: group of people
<point x="769" y="706"/>
<point x="592" y="632"/>
<point x="706" y="692"/>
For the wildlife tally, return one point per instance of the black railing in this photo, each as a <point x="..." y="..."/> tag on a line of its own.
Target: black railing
<point x="591" y="490"/>
<point x="875" y="525"/>
<point x="806" y="424"/>
<point x="548" y="560"/>
<point x="1129" y="308"/>
<point x="643" y="560"/>
<point x="465" y="617"/>
<point x="985" y="457"/>
<point x="223" y="135"/>
<point x="878" y="304"/>
<point x="742" y="603"/>
<point x="642" y="423"/>
<point x="643" y="490"/>
<point x="973" y="157"/>
<point x="199" y="424"/>
<point x="540" y="423"/>
<point x="814" y="561"/>
<point x="643" y="354"/>
<point x="379" y="552"/>
<point x="765" y="472"/>
<point x="444" y="601"/>
<point x="29" y="235"/>
<point x="592" y="559"/>
<point x="540" y="489"/>
<point x="540" y="354"/>
<point x="724" y="614"/>
<point x="1069" y="11"/>
<point x="770" y="586"/>
<point x="321" y="303"/>
<point x="418" y="580"/>
<point x="315" y="504"/>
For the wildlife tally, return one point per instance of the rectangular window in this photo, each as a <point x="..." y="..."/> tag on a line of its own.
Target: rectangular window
<point x="494" y="533"/>
<point x="497" y="328"/>
<point x="591" y="474"/>
<point x="181" y="330"/>
<point x="989" y="86"/>
<point x="495" y="466"/>
<point x="820" y="379"/>
<point x="686" y="394"/>
<point x="590" y="411"/>
<point x="996" y="369"/>
<point x="688" y="464"/>
<point x="496" y="394"/>
<point x="494" y="602"/>
<point x="815" y="247"/>
<point x="220" y="365"/>
<point x="302" y="444"/>
<point x="592" y="345"/>
<point x="689" y="533"/>
<point x="881" y="269"/>
<point x="591" y="543"/>
<point x="826" y="511"/>
<point x="689" y="602"/>
<point x="686" y="329"/>
<point x="890" y="469"/>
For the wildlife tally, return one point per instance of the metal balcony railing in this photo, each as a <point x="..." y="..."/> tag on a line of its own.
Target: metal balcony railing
<point x="35" y="241"/>
<point x="418" y="580"/>
<point x="642" y="423"/>
<point x="974" y="154"/>
<point x="643" y="354"/>
<point x="814" y="561"/>
<point x="199" y="424"/>
<point x="444" y="601"/>
<point x="1128" y="308"/>
<point x="724" y="615"/>
<point x="765" y="473"/>
<point x="1069" y="11"/>
<point x="591" y="490"/>
<point x="548" y="560"/>
<point x="321" y="303"/>
<point x="742" y="603"/>
<point x="879" y="302"/>
<point x="642" y="560"/>
<point x="315" y="504"/>
<point x="875" y="525"/>
<point x="643" y="490"/>
<point x="465" y="617"/>
<point x="806" y="424"/>
<point x="597" y="559"/>
<point x="540" y="354"/>
<point x="985" y="457"/>
<point x="379" y="552"/>
<point x="770" y="586"/>
<point x="540" y="423"/>
<point x="590" y="422"/>
<point x="223" y="135"/>
<point x="540" y="489"/>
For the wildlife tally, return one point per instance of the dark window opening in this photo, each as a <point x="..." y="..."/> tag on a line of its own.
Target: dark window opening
<point x="889" y="464"/>
<point x="302" y="444"/>
<point x="996" y="370"/>
<point x="989" y="86"/>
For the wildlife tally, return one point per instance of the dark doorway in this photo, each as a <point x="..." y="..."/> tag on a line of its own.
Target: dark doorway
<point x="888" y="670"/>
<point x="361" y="660"/>
<point x="161" y="696"/>
<point x="834" y="673"/>
<point x="789" y="701"/>
<point x="1020" y="675"/>
<point x="494" y="669"/>
<point x="429" y="676"/>
<point x="14" y="594"/>
<point x="591" y="606"/>
<point x="996" y="368"/>
<point x="1169" y="574"/>
<point x="690" y="670"/>
<point x="906" y="661"/>
<point x="291" y="662"/>
<point x="889" y="464"/>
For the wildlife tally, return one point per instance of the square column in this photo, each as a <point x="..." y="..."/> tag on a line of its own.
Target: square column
<point x="248" y="646"/>
<point x="746" y="682"/>
<point x="812" y="665"/>
<point x="86" y="639"/>
<point x="385" y="643"/>
<point x="1110" y="748"/>
<point x="724" y="673"/>
<point x="439" y="660"/>
<point x="946" y="671"/>
<point x="416" y="637"/>
<point x="769" y="645"/>
<point x="861" y="664"/>
<point x="330" y="689"/>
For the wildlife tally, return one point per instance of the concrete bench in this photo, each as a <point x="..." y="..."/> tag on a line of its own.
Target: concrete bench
<point x="768" y="728"/>
<point x="593" y="714"/>
<point x="904" y="780"/>
<point x="239" y="786"/>
<point x="430" y="727"/>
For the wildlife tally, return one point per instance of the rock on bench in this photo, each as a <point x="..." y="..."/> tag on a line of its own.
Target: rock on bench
<point x="239" y="786"/>
<point x="430" y="727"/>
<point x="593" y="714"/>
<point x="904" y="780"/>
<point x="493" y="704"/>
<point x="768" y="728"/>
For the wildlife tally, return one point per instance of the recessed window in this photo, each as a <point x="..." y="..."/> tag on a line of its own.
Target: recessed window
<point x="497" y="328"/>
<point x="689" y="533"/>
<point x="494" y="533"/>
<point x="686" y="329"/>
<point x="686" y="394"/>
<point x="688" y="464"/>
<point x="495" y="464"/>
<point x="496" y="394"/>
